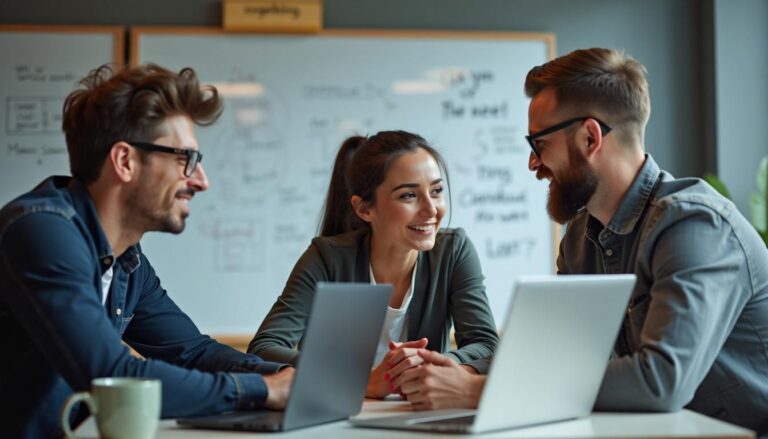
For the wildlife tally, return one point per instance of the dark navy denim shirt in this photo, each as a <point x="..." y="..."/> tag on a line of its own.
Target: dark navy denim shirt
<point x="56" y="335"/>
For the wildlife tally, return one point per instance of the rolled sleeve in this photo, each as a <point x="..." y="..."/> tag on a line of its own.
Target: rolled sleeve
<point x="251" y="390"/>
<point x="256" y="365"/>
<point x="481" y="366"/>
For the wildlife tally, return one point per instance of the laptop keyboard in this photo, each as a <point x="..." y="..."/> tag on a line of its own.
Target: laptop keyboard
<point x="460" y="420"/>
<point x="253" y="421"/>
<point x="450" y="424"/>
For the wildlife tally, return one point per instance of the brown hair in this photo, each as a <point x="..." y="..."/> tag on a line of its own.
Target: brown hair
<point x="129" y="105"/>
<point x="361" y="166"/>
<point x="605" y="83"/>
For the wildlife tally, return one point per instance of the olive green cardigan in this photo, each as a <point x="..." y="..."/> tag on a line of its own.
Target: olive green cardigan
<point x="448" y="290"/>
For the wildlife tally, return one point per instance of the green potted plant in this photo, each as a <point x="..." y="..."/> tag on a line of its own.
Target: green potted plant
<point x="758" y="200"/>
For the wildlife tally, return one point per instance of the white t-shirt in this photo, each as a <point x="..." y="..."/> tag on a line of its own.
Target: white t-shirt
<point x="395" y="323"/>
<point x="106" y="282"/>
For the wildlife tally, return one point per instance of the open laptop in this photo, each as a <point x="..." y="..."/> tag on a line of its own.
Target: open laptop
<point x="337" y="354"/>
<point x="550" y="362"/>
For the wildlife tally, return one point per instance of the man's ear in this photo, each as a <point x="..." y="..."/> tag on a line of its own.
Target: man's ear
<point x="124" y="161"/>
<point x="361" y="208"/>
<point x="594" y="137"/>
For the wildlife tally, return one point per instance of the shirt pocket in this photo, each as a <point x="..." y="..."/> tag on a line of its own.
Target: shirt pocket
<point x="124" y="322"/>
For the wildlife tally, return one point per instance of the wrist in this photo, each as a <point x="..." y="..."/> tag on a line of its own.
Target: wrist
<point x="476" y="385"/>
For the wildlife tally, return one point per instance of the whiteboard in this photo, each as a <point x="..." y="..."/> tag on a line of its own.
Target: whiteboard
<point x="291" y="100"/>
<point x="39" y="66"/>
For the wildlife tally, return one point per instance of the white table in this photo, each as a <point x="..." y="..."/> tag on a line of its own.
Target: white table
<point x="685" y="423"/>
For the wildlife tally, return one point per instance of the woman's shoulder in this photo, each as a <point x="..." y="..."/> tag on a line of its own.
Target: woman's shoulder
<point x="344" y="242"/>
<point x="450" y="240"/>
<point x="454" y="232"/>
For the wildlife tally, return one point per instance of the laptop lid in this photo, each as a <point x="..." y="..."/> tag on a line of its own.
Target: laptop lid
<point x="550" y="362"/>
<point x="337" y="353"/>
<point x="557" y="340"/>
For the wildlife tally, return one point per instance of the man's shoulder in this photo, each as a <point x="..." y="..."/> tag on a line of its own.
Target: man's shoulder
<point x="49" y="197"/>
<point x="690" y="196"/>
<point x="691" y="205"/>
<point x="687" y="189"/>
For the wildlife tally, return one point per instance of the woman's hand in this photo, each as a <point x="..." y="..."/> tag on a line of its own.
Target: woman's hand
<point x="440" y="383"/>
<point x="401" y="357"/>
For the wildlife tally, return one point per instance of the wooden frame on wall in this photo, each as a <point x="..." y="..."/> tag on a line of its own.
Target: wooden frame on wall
<point x="117" y="32"/>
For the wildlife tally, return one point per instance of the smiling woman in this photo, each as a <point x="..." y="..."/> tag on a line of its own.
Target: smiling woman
<point x="383" y="211"/>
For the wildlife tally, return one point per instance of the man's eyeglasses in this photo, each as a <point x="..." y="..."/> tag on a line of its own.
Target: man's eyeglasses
<point x="193" y="156"/>
<point x="531" y="138"/>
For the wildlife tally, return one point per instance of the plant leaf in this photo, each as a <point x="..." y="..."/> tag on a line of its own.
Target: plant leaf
<point x="717" y="184"/>
<point x="758" y="200"/>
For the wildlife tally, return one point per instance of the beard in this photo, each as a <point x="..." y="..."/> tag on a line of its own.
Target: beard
<point x="570" y="191"/>
<point x="151" y="212"/>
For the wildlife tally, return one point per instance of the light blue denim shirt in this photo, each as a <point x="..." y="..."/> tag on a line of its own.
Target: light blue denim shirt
<point x="696" y="330"/>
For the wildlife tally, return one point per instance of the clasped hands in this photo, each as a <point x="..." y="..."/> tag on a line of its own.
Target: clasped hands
<point x="427" y="379"/>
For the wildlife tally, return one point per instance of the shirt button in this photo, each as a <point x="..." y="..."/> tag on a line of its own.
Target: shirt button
<point x="106" y="261"/>
<point x="118" y="311"/>
<point x="609" y="252"/>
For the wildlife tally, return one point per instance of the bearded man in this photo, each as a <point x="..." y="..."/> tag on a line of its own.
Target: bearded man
<point x="695" y="334"/>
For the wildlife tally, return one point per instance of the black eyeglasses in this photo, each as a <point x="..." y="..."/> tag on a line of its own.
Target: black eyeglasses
<point x="604" y="129"/>
<point x="193" y="156"/>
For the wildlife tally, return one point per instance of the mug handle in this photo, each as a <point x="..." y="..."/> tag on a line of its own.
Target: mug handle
<point x="71" y="401"/>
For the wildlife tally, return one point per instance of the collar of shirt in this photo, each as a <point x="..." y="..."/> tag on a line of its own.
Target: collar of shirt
<point x="408" y="294"/>
<point x="632" y="205"/>
<point x="86" y="210"/>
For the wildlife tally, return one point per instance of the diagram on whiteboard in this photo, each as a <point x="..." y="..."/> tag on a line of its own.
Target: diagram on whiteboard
<point x="289" y="104"/>
<point x="39" y="69"/>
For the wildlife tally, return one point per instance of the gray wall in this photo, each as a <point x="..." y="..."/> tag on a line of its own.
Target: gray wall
<point x="674" y="39"/>
<point x="741" y="85"/>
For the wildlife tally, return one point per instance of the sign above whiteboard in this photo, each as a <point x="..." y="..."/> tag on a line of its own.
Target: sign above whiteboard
<point x="290" y="16"/>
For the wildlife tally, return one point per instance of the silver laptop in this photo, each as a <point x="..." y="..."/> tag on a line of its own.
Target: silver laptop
<point x="337" y="354"/>
<point x="550" y="362"/>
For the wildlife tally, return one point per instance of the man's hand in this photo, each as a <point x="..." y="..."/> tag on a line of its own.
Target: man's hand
<point x="400" y="357"/>
<point x="278" y="388"/>
<point x="440" y="383"/>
